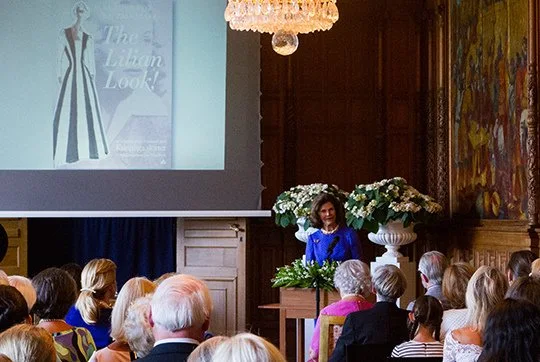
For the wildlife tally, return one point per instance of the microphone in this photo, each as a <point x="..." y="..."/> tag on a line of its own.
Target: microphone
<point x="331" y="247"/>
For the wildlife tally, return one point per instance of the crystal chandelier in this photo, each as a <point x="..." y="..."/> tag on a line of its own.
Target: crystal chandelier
<point x="283" y="18"/>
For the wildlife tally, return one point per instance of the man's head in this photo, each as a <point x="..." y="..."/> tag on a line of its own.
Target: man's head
<point x="181" y="307"/>
<point x="432" y="266"/>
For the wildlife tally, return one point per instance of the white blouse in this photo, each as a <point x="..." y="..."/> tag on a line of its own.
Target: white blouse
<point x="457" y="352"/>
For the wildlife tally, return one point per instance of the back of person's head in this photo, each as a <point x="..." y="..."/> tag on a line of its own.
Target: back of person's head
<point x="428" y="312"/>
<point x="525" y="288"/>
<point x="56" y="293"/>
<point x="519" y="264"/>
<point x="433" y="264"/>
<point x="512" y="332"/>
<point x="205" y="351"/>
<point x="28" y="343"/>
<point x="180" y="302"/>
<point x="247" y="347"/>
<point x="389" y="283"/>
<point x="24" y="285"/>
<point x="98" y="279"/>
<point x="75" y="270"/>
<point x="13" y="307"/>
<point x="133" y="289"/>
<point x="454" y="284"/>
<point x="487" y="287"/>
<point x="137" y="328"/>
<point x="3" y="278"/>
<point x="535" y="267"/>
<point x="353" y="277"/>
<point x="162" y="277"/>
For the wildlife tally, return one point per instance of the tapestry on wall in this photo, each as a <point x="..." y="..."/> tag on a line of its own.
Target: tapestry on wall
<point x="488" y="108"/>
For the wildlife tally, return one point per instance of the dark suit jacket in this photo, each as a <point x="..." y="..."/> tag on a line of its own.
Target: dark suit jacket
<point x="384" y="323"/>
<point x="169" y="352"/>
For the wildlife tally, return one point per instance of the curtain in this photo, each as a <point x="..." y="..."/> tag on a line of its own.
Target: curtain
<point x="138" y="246"/>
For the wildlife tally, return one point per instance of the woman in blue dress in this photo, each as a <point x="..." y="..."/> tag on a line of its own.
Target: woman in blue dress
<point x="334" y="241"/>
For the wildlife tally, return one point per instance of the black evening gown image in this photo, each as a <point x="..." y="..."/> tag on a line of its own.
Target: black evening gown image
<point x="78" y="132"/>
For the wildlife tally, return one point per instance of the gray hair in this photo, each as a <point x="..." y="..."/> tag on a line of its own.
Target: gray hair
<point x="389" y="282"/>
<point x="353" y="277"/>
<point x="180" y="302"/>
<point x="137" y="329"/>
<point x="205" y="351"/>
<point x="433" y="264"/>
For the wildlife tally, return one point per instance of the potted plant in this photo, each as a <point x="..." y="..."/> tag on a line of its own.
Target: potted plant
<point x="292" y="207"/>
<point x="388" y="209"/>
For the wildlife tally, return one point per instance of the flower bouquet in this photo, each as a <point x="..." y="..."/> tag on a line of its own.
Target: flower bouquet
<point x="308" y="275"/>
<point x="296" y="202"/>
<point x="388" y="200"/>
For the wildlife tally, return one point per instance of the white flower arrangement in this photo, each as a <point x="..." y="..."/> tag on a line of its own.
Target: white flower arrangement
<point x="378" y="203"/>
<point x="296" y="202"/>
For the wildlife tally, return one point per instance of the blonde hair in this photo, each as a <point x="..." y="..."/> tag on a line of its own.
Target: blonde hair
<point x="25" y="342"/>
<point x="454" y="284"/>
<point x="98" y="277"/>
<point x="133" y="289"/>
<point x="206" y="350"/>
<point x="486" y="288"/>
<point x="535" y="267"/>
<point x="3" y="278"/>
<point x="24" y="285"/>
<point x="247" y="347"/>
<point x="137" y="328"/>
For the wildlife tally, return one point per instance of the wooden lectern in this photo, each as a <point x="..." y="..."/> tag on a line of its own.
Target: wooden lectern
<point x="299" y="304"/>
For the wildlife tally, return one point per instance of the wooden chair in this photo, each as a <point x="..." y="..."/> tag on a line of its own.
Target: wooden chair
<point x="330" y="328"/>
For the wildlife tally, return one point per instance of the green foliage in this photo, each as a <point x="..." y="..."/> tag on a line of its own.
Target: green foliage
<point x="378" y="203"/>
<point x="311" y="275"/>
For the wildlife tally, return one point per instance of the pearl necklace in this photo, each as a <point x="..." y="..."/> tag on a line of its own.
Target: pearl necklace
<point x="51" y="320"/>
<point x="328" y="232"/>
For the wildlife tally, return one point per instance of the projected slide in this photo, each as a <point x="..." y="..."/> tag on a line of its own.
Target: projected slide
<point x="91" y="87"/>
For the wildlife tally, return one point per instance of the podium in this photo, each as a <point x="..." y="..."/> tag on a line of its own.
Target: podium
<point x="299" y="304"/>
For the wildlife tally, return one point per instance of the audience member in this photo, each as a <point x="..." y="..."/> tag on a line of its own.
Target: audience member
<point x="485" y="289"/>
<point x="353" y="281"/>
<point x="3" y="278"/>
<point x="13" y="308"/>
<point x="179" y="314"/>
<point x="75" y="270"/>
<point x="205" y="351"/>
<point x="385" y="323"/>
<point x="93" y="307"/>
<point x="519" y="264"/>
<point x="24" y="285"/>
<point x="512" y="333"/>
<point x="431" y="267"/>
<point x="525" y="288"/>
<point x="535" y="267"/>
<point x="424" y="330"/>
<point x="137" y="328"/>
<point x="162" y="277"/>
<point x="56" y="293"/>
<point x="454" y="286"/>
<point x="247" y="347"/>
<point x="119" y="349"/>
<point x="27" y="343"/>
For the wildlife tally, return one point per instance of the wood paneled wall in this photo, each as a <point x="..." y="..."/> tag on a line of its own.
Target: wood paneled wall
<point x="344" y="109"/>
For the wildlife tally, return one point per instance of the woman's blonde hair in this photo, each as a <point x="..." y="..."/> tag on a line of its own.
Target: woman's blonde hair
<point x="24" y="285"/>
<point x="247" y="347"/>
<point x="486" y="288"/>
<point x="25" y="342"/>
<point x="137" y="328"/>
<point x="97" y="278"/>
<point x="205" y="351"/>
<point x="133" y="289"/>
<point x="454" y="283"/>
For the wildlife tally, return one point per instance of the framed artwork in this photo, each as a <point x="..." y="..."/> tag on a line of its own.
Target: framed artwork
<point x="488" y="108"/>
